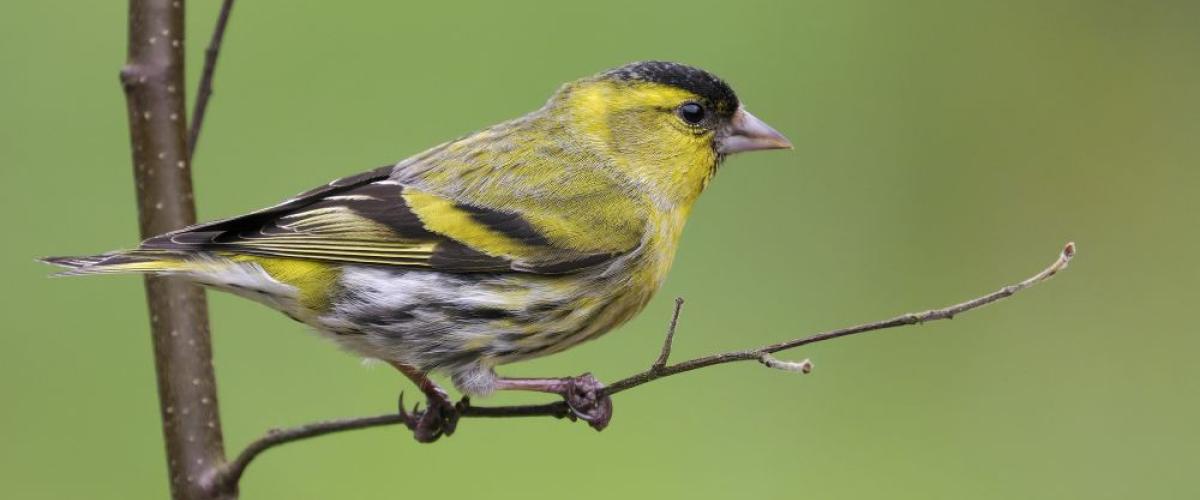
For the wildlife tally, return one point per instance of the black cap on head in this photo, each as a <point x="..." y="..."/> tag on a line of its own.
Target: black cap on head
<point x="694" y="80"/>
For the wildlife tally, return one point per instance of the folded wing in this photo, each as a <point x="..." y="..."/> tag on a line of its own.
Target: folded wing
<point x="372" y="218"/>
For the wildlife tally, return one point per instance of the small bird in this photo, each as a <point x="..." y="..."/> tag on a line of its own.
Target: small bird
<point x="516" y="241"/>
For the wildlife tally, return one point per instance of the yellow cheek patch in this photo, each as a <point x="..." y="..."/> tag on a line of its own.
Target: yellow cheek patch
<point x="635" y="124"/>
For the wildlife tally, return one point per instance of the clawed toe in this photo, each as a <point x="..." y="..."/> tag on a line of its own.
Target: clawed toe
<point x="588" y="402"/>
<point x="440" y="418"/>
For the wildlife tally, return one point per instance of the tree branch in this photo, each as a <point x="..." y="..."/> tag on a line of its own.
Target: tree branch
<point x="659" y="369"/>
<point x="204" y="90"/>
<point x="152" y="79"/>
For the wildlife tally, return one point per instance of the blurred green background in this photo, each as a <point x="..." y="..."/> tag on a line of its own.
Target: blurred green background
<point x="942" y="149"/>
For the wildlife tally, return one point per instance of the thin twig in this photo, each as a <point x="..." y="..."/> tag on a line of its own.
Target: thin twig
<point x="666" y="348"/>
<point x="204" y="90"/>
<point x="231" y="473"/>
<point x="656" y="371"/>
<point x="233" y="470"/>
<point x="1059" y="264"/>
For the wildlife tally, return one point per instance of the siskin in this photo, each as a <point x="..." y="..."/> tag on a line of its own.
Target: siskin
<point x="517" y="241"/>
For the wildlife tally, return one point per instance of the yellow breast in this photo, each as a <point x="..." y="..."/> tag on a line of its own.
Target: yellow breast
<point x="648" y="269"/>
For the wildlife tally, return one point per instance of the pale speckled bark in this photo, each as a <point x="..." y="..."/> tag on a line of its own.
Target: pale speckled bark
<point x="154" y="90"/>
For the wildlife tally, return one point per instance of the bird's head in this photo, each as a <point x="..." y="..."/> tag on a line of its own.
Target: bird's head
<point x="666" y="125"/>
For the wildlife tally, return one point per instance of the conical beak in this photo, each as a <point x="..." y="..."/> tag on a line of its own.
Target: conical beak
<point x="746" y="132"/>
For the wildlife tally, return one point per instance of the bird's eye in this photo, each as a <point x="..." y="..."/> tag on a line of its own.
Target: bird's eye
<point x="692" y="113"/>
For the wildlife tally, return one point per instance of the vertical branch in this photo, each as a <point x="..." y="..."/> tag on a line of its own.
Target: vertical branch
<point x="153" y="82"/>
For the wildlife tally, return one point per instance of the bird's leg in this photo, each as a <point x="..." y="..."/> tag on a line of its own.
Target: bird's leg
<point x="583" y="394"/>
<point x="441" y="416"/>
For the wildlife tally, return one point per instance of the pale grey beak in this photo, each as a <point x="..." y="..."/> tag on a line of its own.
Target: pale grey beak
<point x="745" y="132"/>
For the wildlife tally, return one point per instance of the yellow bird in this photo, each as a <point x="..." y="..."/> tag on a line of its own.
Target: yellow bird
<point x="517" y="241"/>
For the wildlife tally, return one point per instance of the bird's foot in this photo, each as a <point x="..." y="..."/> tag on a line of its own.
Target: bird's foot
<point x="586" y="398"/>
<point x="584" y="395"/>
<point x="438" y="419"/>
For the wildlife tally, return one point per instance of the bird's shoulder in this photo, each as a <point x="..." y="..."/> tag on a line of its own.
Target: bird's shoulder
<point x="565" y="187"/>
